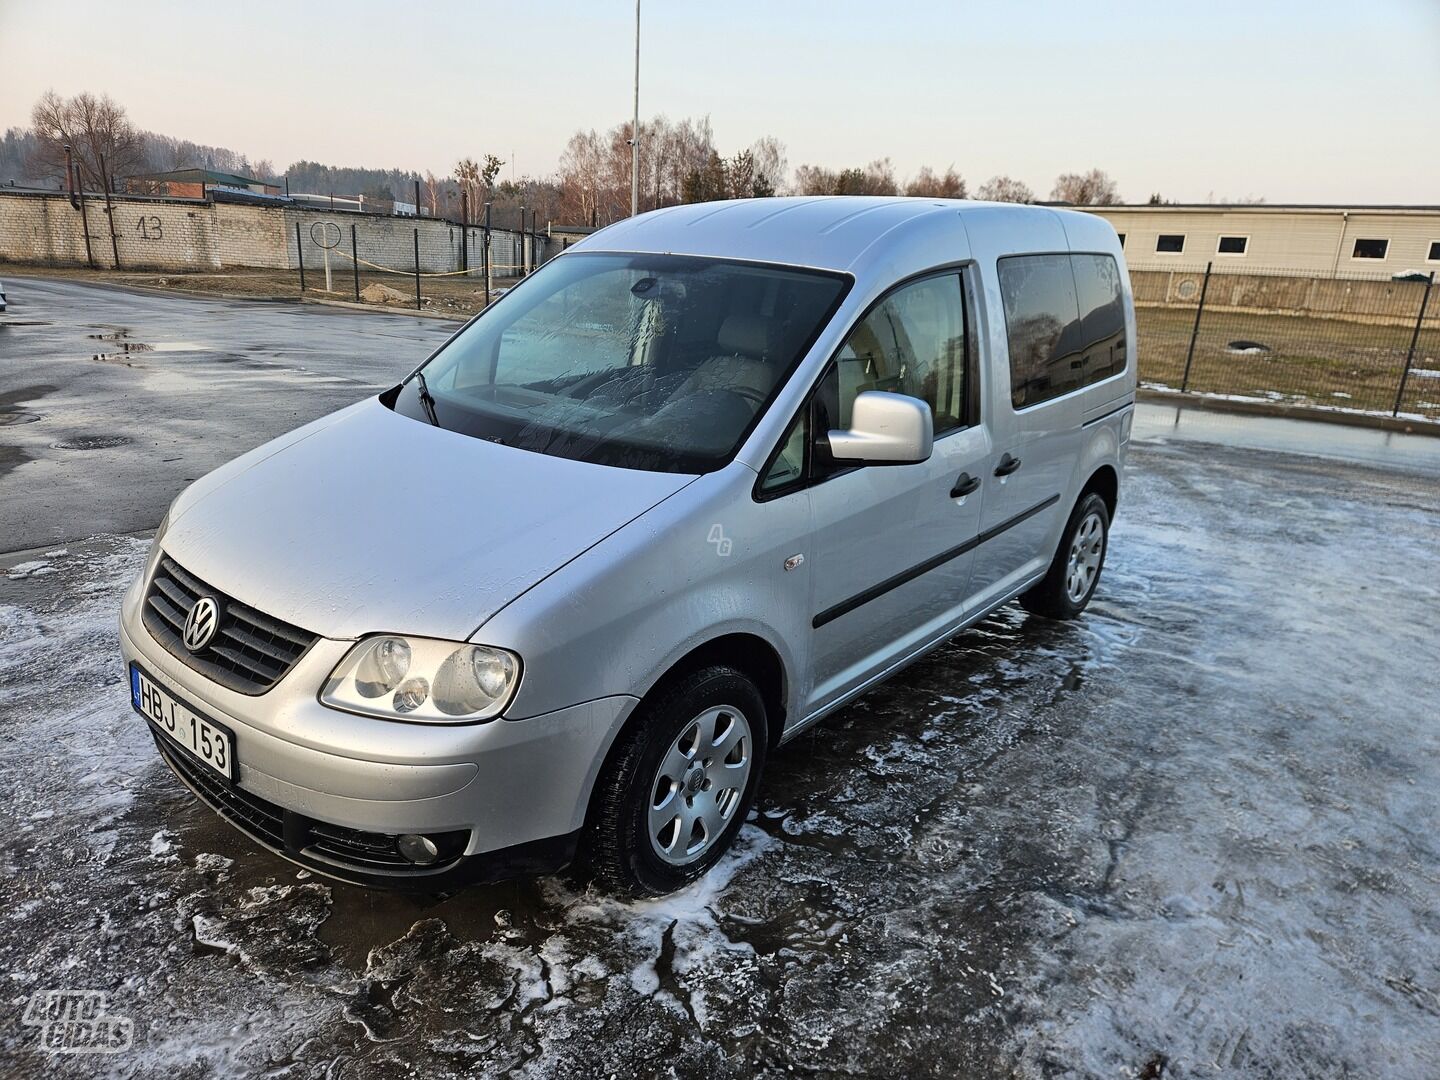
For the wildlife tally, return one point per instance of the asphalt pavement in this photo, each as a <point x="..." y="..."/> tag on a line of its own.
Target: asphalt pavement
<point x="112" y="399"/>
<point x="1192" y="834"/>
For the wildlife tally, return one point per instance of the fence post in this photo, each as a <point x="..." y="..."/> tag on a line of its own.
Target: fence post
<point x="487" y="254"/>
<point x="417" y="269"/>
<point x="464" y="230"/>
<point x="1414" y="340"/>
<point x="355" y="261"/>
<point x="300" y="257"/>
<point x="1195" y="330"/>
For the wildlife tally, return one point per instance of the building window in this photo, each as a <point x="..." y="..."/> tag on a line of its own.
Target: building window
<point x="1122" y="239"/>
<point x="1434" y="255"/>
<point x="1233" y="245"/>
<point x="1370" y="249"/>
<point x="1170" y="242"/>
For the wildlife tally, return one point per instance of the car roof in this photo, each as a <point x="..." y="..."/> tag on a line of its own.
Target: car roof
<point x="852" y="233"/>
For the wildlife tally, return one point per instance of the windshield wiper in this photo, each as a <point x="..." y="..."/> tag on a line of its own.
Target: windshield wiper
<point x="427" y="399"/>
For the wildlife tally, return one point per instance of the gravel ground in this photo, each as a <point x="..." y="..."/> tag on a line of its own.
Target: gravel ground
<point x="1192" y="834"/>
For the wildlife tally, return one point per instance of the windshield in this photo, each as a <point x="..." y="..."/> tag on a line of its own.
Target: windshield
<point x="658" y="362"/>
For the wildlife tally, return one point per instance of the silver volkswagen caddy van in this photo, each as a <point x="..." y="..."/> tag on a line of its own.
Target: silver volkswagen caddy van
<point x="695" y="483"/>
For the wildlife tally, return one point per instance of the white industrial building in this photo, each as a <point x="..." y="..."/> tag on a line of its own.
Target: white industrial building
<point x="1335" y="241"/>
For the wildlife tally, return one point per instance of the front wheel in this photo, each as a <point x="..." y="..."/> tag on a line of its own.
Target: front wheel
<point x="1066" y="589"/>
<point x="676" y="792"/>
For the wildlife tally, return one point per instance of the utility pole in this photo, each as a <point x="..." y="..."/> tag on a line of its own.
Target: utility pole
<point x="635" y="125"/>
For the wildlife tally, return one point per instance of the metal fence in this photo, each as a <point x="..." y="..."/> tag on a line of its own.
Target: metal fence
<point x="1358" y="344"/>
<point x="428" y="264"/>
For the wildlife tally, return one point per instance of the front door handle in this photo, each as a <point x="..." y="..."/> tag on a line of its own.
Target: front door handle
<point x="965" y="485"/>
<point x="1007" y="465"/>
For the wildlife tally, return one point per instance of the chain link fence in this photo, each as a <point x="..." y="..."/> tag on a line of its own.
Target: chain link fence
<point x="1368" y="344"/>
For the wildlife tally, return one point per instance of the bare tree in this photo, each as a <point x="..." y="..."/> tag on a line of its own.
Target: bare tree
<point x="432" y="185"/>
<point x="104" y="142"/>
<point x="1005" y="189"/>
<point x="928" y="184"/>
<point x="771" y="167"/>
<point x="876" y="178"/>
<point x="1093" y="188"/>
<point x="582" y="176"/>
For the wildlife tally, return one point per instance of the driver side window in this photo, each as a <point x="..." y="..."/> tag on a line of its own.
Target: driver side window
<point x="912" y="342"/>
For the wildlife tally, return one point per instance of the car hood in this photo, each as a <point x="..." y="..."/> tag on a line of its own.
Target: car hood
<point x="377" y="522"/>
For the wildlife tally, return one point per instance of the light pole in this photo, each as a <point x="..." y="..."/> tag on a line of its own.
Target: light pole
<point x="635" y="125"/>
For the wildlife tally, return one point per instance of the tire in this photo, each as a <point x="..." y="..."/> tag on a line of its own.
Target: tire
<point x="647" y="780"/>
<point x="1060" y="594"/>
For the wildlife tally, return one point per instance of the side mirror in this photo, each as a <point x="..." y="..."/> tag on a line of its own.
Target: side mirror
<point x="885" y="429"/>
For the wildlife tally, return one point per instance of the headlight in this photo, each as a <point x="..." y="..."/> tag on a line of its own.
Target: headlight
<point x="408" y="678"/>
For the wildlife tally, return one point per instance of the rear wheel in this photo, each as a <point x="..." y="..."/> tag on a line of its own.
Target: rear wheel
<point x="1066" y="589"/>
<point x="675" y="794"/>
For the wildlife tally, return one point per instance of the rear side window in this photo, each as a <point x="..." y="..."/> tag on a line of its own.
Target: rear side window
<point x="1042" y="318"/>
<point x="1065" y="319"/>
<point x="1102" y="315"/>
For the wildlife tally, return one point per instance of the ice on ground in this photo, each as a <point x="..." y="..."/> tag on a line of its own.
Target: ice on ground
<point x="33" y="568"/>
<point x="1048" y="849"/>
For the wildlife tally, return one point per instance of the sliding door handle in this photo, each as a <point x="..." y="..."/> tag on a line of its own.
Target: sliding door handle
<point x="965" y="485"/>
<point x="1007" y="465"/>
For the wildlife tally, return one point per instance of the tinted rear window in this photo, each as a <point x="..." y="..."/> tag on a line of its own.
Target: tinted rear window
<point x="1065" y="319"/>
<point x="1102" y="315"/>
<point x="1042" y="318"/>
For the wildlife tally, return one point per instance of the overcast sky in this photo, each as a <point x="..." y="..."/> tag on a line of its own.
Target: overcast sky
<point x="1315" y="101"/>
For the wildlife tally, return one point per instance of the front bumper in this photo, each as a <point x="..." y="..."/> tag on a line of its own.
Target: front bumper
<point x="517" y="789"/>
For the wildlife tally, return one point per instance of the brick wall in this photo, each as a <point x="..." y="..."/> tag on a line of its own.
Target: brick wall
<point x="194" y="235"/>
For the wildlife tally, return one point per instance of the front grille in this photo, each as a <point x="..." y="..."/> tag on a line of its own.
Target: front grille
<point x="285" y="830"/>
<point x="250" y="651"/>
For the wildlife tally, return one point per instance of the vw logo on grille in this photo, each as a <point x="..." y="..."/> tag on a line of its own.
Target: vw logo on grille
<point x="201" y="623"/>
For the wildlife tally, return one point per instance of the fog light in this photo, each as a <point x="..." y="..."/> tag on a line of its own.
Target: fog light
<point x="420" y="850"/>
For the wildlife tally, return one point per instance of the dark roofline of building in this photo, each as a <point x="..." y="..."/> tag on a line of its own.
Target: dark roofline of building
<point x="199" y="176"/>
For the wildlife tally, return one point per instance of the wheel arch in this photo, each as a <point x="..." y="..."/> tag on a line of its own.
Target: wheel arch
<point x="1105" y="482"/>
<point x="748" y="653"/>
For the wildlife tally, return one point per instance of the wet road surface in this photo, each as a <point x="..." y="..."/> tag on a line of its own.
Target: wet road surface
<point x="164" y="389"/>
<point x="1192" y="834"/>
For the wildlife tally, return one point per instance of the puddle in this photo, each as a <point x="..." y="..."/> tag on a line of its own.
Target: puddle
<point x="11" y="457"/>
<point x="1247" y="348"/>
<point x="121" y="337"/>
<point x="91" y="442"/>
<point x="11" y="415"/>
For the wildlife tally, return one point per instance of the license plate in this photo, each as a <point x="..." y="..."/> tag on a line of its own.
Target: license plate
<point x="203" y="739"/>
